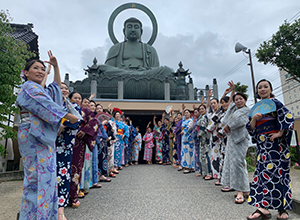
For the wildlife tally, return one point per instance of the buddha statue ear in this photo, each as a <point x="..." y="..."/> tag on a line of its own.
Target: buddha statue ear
<point x="125" y="38"/>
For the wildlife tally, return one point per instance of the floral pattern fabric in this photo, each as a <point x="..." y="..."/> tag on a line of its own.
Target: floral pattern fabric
<point x="148" y="138"/>
<point x="136" y="147"/>
<point x="36" y="141"/>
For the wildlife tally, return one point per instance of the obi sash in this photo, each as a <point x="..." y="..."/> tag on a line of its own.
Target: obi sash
<point x="266" y="125"/>
<point x="120" y="131"/>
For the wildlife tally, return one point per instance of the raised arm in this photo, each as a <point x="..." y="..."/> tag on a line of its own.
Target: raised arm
<point x="232" y="87"/>
<point x="154" y="122"/>
<point x="54" y="63"/>
<point x="208" y="98"/>
<point x="92" y="96"/>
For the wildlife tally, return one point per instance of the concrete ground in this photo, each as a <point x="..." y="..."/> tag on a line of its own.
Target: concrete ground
<point x="150" y="192"/>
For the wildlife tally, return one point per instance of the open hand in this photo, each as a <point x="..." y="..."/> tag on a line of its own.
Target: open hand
<point x="52" y="59"/>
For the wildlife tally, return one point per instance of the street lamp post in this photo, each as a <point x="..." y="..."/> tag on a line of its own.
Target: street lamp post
<point x="239" y="47"/>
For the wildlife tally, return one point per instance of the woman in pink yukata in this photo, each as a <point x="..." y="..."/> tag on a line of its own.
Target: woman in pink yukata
<point x="41" y="112"/>
<point x="148" y="138"/>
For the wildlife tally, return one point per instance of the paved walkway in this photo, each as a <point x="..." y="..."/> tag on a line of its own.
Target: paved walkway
<point x="146" y="192"/>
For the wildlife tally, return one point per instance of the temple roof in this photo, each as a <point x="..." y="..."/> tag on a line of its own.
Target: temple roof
<point x="24" y="33"/>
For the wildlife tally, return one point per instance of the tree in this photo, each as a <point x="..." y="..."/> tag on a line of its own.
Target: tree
<point x="283" y="49"/>
<point x="13" y="55"/>
<point x="241" y="88"/>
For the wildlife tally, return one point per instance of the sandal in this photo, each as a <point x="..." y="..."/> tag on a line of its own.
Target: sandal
<point x="218" y="183"/>
<point x="245" y="194"/>
<point x="96" y="186"/>
<point x="280" y="212"/>
<point x="186" y="171"/>
<point x="81" y="195"/>
<point x="105" y="180"/>
<point x="74" y="204"/>
<point x="84" y="191"/>
<point x="179" y="169"/>
<point x="227" y="189"/>
<point x="261" y="216"/>
<point x="198" y="175"/>
<point x="208" y="178"/>
<point x="239" y="200"/>
<point x="112" y="175"/>
<point x="115" y="172"/>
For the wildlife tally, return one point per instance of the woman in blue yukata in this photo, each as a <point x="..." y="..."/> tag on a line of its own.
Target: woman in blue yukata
<point x="41" y="113"/>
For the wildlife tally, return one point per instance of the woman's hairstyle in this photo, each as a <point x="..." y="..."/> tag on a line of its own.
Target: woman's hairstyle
<point x="241" y="94"/>
<point x="179" y="113"/>
<point x="93" y="102"/>
<point x="99" y="105"/>
<point x="127" y="121"/>
<point x="114" y="113"/>
<point x="264" y="80"/>
<point x="225" y="99"/>
<point x="29" y="64"/>
<point x="84" y="99"/>
<point x="202" y="105"/>
<point x="187" y="110"/>
<point x="65" y="84"/>
<point x="72" y="93"/>
<point x="137" y="127"/>
<point x="217" y="100"/>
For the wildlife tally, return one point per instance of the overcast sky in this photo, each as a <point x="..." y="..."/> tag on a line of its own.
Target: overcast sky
<point x="201" y="34"/>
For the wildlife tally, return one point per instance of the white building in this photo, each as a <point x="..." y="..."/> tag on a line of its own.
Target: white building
<point x="291" y="93"/>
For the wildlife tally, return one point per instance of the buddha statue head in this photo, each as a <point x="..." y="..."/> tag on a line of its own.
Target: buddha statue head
<point x="133" y="29"/>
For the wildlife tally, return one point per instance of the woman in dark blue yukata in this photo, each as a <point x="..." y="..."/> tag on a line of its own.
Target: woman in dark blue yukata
<point x="64" y="151"/>
<point x="271" y="185"/>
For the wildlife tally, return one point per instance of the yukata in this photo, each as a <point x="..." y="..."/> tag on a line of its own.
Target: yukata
<point x="165" y="143"/>
<point x="64" y="152"/>
<point x="171" y="142"/>
<point x="177" y="133"/>
<point x="158" y="143"/>
<point x="204" y="145"/>
<point x="111" y="132"/>
<point x="148" y="138"/>
<point x="271" y="184"/>
<point x="214" y="126"/>
<point x="198" y="167"/>
<point x="101" y="142"/>
<point x="121" y="129"/>
<point x="234" y="173"/>
<point x="41" y="113"/>
<point x="136" y="147"/>
<point x="132" y="135"/>
<point x="187" y="150"/>
<point x="86" y="175"/>
<point x="90" y="127"/>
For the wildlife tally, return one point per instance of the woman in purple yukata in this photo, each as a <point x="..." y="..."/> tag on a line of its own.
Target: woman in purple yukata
<point x="64" y="151"/>
<point x="41" y="113"/>
<point x="85" y="137"/>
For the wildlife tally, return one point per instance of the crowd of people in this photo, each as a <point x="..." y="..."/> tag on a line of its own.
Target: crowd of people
<point x="69" y="144"/>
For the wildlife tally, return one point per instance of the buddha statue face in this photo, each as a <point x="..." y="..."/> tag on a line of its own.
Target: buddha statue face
<point x="132" y="29"/>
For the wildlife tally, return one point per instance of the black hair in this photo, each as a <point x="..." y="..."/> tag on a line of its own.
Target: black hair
<point x="215" y="99"/>
<point x="84" y="99"/>
<point x="179" y="113"/>
<point x="202" y="105"/>
<point x="72" y="93"/>
<point x="114" y="113"/>
<point x="187" y="110"/>
<point x="137" y="127"/>
<point x="93" y="102"/>
<point x="225" y="99"/>
<point x="196" y="109"/>
<point x="264" y="80"/>
<point x="65" y="84"/>
<point x="29" y="64"/>
<point x="241" y="94"/>
<point x="127" y="121"/>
